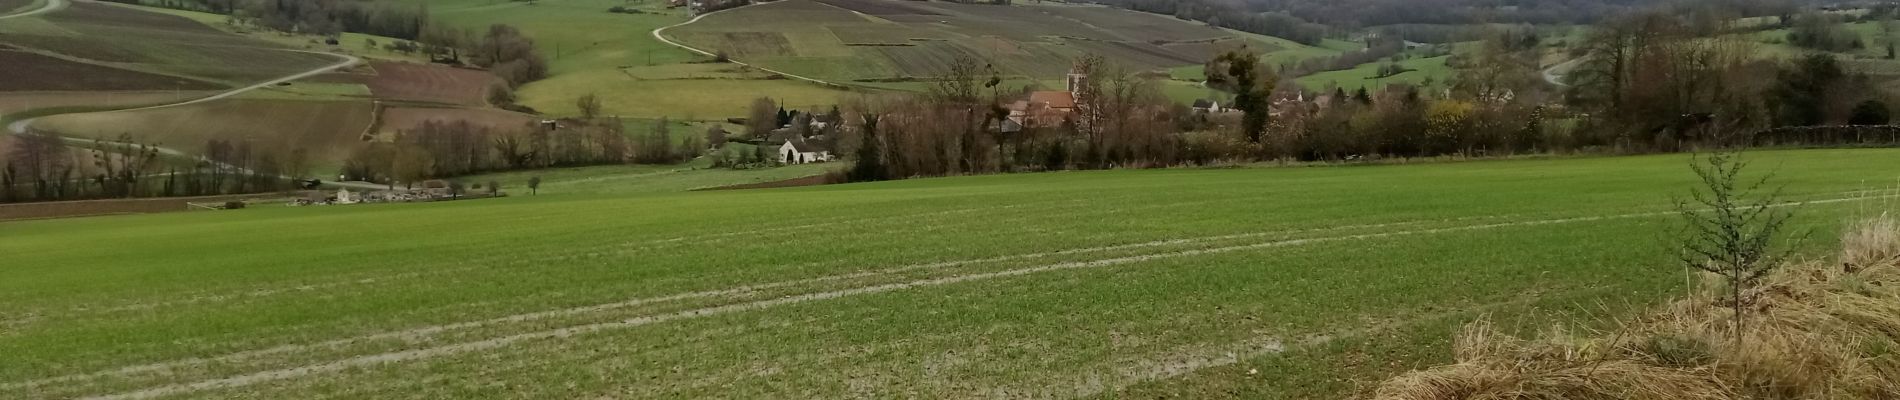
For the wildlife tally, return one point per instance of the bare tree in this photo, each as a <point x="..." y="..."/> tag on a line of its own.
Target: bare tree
<point x="589" y="106"/>
<point x="762" y="119"/>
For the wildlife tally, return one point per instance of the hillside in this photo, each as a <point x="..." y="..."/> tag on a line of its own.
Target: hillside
<point x="1271" y="283"/>
<point x="869" y="41"/>
<point x="615" y="56"/>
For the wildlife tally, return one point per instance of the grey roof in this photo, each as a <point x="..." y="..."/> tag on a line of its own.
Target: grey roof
<point x="804" y="146"/>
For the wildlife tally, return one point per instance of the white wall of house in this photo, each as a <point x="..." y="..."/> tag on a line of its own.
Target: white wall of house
<point x="790" y="155"/>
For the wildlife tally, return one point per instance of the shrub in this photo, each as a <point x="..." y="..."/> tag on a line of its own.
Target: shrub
<point x="1871" y="112"/>
<point x="234" y="205"/>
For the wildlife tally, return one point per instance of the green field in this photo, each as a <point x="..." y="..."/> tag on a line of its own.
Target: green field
<point x="1431" y="69"/>
<point x="1188" y="283"/>
<point x="616" y="57"/>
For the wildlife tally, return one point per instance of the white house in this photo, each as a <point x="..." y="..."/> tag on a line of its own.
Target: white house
<point x="797" y="151"/>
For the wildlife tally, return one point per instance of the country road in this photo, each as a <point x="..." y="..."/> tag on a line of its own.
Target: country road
<point x="1555" y="74"/>
<point x="51" y="6"/>
<point x="659" y="33"/>
<point x="20" y="127"/>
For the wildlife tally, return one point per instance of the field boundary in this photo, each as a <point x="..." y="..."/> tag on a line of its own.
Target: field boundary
<point x="569" y="331"/>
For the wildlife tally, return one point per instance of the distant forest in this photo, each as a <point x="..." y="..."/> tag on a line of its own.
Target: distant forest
<point x="320" y="17"/>
<point x="1308" y="21"/>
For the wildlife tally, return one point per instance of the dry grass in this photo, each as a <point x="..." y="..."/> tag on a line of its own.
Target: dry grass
<point x="1820" y="331"/>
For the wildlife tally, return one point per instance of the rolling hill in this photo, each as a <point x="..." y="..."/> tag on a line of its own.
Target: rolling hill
<point x="882" y="41"/>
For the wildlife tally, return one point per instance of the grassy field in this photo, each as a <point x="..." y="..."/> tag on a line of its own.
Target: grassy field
<point x="697" y="99"/>
<point x="1431" y="69"/>
<point x="327" y="129"/>
<point x="588" y="47"/>
<point x="1253" y="283"/>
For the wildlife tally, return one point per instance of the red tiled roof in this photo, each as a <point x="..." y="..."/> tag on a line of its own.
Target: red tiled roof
<point x="1054" y="99"/>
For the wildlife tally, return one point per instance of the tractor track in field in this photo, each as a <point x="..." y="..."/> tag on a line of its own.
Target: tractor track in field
<point x="297" y="287"/>
<point x="424" y="332"/>
<point x="1188" y="359"/>
<point x="643" y="320"/>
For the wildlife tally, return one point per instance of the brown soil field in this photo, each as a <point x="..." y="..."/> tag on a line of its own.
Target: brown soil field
<point x="86" y="208"/>
<point x="327" y="129"/>
<point x="431" y="83"/>
<point x="12" y="102"/>
<point x="30" y="71"/>
<point x="397" y="119"/>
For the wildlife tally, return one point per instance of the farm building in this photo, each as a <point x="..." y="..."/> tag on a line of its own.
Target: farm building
<point x="1048" y="108"/>
<point x="801" y="151"/>
<point x="1207" y="106"/>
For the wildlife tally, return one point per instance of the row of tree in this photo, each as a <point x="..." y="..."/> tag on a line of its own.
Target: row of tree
<point x="42" y="166"/>
<point x="437" y="149"/>
<point x="318" y="17"/>
<point x="1647" y="81"/>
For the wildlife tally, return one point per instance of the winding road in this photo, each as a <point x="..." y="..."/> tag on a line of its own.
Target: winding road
<point x="20" y="127"/>
<point x="659" y="33"/>
<point x="1555" y="74"/>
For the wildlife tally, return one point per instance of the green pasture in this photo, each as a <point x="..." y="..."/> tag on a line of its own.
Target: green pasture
<point x="1192" y="283"/>
<point x="689" y="99"/>
<point x="1433" y="69"/>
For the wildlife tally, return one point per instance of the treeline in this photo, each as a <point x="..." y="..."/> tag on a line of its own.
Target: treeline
<point x="1654" y="78"/>
<point x="42" y="166"/>
<point x="1649" y="82"/>
<point x="1121" y="120"/>
<point x="320" y="17"/>
<point x="1232" y="16"/>
<point x="1354" y="14"/>
<point x="502" y="49"/>
<point x="447" y="149"/>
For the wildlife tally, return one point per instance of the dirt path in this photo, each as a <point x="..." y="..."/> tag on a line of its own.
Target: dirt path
<point x="1556" y="73"/>
<point x="569" y="331"/>
<point x="660" y="33"/>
